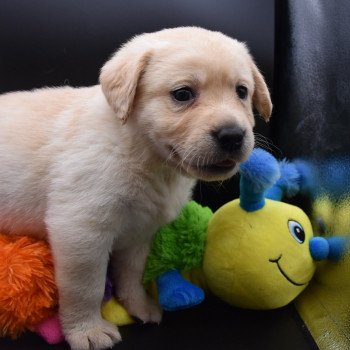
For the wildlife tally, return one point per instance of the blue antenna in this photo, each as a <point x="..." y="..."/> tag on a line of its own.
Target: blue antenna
<point x="288" y="184"/>
<point x="258" y="174"/>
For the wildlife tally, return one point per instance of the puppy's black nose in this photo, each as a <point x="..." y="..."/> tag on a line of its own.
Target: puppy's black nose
<point x="230" y="139"/>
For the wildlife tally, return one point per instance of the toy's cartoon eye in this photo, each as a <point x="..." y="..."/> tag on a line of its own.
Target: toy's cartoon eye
<point x="297" y="231"/>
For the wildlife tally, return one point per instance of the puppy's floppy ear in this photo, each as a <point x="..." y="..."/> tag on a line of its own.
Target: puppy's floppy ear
<point x="120" y="76"/>
<point x="261" y="96"/>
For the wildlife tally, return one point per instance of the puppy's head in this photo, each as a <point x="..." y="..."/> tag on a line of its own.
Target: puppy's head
<point x="191" y="92"/>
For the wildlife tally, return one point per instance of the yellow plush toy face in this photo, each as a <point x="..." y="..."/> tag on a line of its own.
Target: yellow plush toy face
<point x="258" y="259"/>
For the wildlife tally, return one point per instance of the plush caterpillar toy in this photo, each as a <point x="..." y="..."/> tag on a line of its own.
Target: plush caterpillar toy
<point x="254" y="252"/>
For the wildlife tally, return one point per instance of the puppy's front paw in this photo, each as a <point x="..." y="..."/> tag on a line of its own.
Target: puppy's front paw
<point x="144" y="308"/>
<point x="93" y="336"/>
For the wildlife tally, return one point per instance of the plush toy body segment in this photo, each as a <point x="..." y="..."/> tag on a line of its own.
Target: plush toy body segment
<point x="179" y="245"/>
<point x="253" y="260"/>
<point x="28" y="293"/>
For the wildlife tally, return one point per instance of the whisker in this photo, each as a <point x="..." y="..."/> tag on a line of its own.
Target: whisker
<point x="188" y="153"/>
<point x="266" y="143"/>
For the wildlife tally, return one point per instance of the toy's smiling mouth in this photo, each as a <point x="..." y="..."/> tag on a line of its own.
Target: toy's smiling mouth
<point x="276" y="261"/>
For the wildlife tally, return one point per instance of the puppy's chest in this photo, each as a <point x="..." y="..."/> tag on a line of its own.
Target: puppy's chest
<point x="165" y="199"/>
<point x="153" y="205"/>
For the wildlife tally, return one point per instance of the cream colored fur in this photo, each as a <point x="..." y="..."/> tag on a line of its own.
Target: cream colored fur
<point x="97" y="170"/>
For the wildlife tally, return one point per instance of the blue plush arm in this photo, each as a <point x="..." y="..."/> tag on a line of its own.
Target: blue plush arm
<point x="176" y="293"/>
<point x="333" y="248"/>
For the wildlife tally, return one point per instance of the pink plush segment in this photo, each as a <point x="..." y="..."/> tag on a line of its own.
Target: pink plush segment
<point x="50" y="330"/>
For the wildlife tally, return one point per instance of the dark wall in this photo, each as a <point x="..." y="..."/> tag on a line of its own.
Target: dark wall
<point x="312" y="78"/>
<point x="312" y="120"/>
<point x="54" y="43"/>
<point x="65" y="42"/>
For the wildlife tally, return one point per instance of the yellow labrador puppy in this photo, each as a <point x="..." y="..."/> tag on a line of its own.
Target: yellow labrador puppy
<point x="97" y="170"/>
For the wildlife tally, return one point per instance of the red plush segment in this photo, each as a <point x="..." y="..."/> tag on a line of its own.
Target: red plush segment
<point x="28" y="293"/>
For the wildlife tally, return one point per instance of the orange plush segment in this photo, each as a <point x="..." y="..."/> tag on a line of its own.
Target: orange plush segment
<point x="28" y="293"/>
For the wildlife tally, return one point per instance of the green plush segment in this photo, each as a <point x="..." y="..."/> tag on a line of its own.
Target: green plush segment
<point x="180" y="244"/>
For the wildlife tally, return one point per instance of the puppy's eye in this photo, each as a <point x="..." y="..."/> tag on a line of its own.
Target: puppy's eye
<point x="242" y="92"/>
<point x="183" y="94"/>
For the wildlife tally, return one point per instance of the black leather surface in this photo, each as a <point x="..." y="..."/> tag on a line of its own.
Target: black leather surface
<point x="312" y="77"/>
<point x="211" y="326"/>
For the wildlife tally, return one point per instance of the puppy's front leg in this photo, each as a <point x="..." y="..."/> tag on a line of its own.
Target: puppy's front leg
<point x="81" y="257"/>
<point x="128" y="266"/>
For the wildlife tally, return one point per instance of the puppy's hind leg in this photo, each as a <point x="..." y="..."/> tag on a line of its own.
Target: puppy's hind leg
<point x="81" y="257"/>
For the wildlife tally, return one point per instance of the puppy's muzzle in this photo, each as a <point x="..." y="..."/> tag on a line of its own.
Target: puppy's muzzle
<point x="229" y="138"/>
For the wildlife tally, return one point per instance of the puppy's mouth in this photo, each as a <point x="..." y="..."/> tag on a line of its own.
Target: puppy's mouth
<point x="222" y="166"/>
<point x="217" y="170"/>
